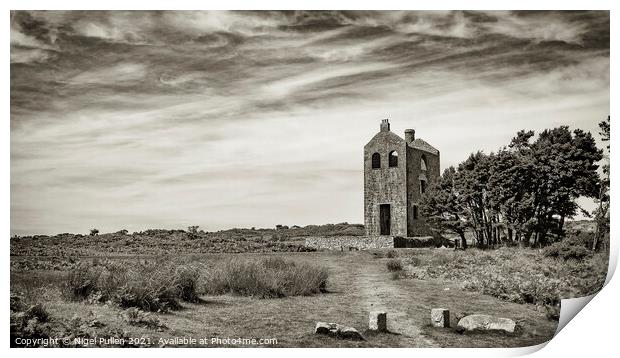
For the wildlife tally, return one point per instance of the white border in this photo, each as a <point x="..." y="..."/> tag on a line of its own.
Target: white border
<point x="593" y="331"/>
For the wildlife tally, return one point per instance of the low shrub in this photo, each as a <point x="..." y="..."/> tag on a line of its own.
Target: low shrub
<point x="394" y="265"/>
<point x="567" y="249"/>
<point x="36" y="324"/>
<point x="37" y="312"/>
<point x="266" y="278"/>
<point x="17" y="302"/>
<point x="32" y="323"/>
<point x="552" y="312"/>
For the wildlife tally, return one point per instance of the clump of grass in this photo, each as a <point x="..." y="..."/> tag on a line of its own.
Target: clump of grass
<point x="266" y="278"/>
<point x="391" y="254"/>
<point x="186" y="282"/>
<point x="82" y="281"/>
<point x="150" y="285"/>
<point x="278" y="264"/>
<point x="394" y="265"/>
<point x="397" y="275"/>
<point x="136" y="317"/>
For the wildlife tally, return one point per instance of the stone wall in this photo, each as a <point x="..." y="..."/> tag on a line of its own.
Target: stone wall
<point x="346" y="242"/>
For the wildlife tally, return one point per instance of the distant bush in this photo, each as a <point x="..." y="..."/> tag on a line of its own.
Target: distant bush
<point x="266" y="278"/>
<point x="193" y="229"/>
<point x="576" y="247"/>
<point x="430" y="241"/>
<point x="94" y="232"/>
<point x="566" y="251"/>
<point x="151" y="285"/>
<point x="350" y="230"/>
<point x="394" y="265"/>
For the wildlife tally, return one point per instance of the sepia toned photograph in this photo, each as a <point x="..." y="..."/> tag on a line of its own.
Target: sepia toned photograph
<point x="305" y="179"/>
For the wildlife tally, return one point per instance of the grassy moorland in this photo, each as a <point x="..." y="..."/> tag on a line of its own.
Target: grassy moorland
<point x="105" y="293"/>
<point x="156" y="242"/>
<point x="357" y="283"/>
<point x="510" y="274"/>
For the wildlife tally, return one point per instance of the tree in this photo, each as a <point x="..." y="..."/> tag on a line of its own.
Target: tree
<point x="525" y="190"/>
<point x="470" y="184"/>
<point x="442" y="209"/>
<point x="566" y="168"/>
<point x="605" y="130"/>
<point x="509" y="190"/>
<point x="601" y="214"/>
<point x="556" y="169"/>
<point x="94" y="232"/>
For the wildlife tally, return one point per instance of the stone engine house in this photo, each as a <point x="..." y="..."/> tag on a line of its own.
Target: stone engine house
<point x="397" y="172"/>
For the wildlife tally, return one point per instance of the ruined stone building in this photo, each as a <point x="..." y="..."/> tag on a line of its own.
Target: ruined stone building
<point x="397" y="172"/>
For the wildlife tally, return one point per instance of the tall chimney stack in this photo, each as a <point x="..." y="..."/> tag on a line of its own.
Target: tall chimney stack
<point x="385" y="125"/>
<point x="409" y="135"/>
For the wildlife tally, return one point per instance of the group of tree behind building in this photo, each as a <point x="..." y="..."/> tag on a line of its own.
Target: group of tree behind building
<point x="524" y="193"/>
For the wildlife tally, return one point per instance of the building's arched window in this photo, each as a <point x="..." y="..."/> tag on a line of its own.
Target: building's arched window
<point x="376" y="161"/>
<point x="423" y="163"/>
<point x="393" y="159"/>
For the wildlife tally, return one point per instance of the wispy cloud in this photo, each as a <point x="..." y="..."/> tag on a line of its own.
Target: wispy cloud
<point x="133" y="119"/>
<point x="116" y="74"/>
<point x="539" y="27"/>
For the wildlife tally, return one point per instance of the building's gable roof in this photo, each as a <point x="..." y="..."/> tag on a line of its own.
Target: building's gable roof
<point x="422" y="145"/>
<point x="394" y="136"/>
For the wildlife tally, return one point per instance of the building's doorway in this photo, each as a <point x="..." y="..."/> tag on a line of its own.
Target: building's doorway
<point x="385" y="220"/>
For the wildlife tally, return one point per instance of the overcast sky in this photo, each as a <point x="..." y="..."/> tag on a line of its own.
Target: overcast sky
<point x="136" y="120"/>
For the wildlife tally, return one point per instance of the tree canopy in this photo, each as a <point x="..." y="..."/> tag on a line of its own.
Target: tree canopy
<point x="522" y="193"/>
